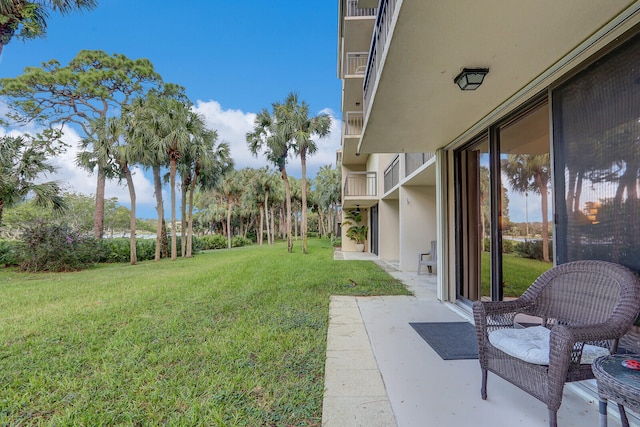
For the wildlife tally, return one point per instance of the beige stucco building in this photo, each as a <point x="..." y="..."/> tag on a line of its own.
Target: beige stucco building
<point x="424" y="160"/>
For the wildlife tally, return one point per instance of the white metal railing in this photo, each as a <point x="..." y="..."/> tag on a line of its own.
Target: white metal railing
<point x="354" y="10"/>
<point x="413" y="161"/>
<point x="356" y="63"/>
<point x="392" y="174"/>
<point x="354" y="123"/>
<point x="360" y="184"/>
<point x="378" y="41"/>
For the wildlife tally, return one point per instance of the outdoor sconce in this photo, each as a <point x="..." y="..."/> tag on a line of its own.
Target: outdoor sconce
<point x="470" y="78"/>
<point x="357" y="209"/>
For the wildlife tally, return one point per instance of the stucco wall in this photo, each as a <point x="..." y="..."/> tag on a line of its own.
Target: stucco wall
<point x="417" y="223"/>
<point x="389" y="245"/>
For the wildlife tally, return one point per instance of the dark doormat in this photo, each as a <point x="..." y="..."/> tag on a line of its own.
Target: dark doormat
<point x="451" y="340"/>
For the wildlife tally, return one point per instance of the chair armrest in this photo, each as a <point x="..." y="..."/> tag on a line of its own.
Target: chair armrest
<point x="592" y="332"/>
<point x="563" y="340"/>
<point x="421" y="255"/>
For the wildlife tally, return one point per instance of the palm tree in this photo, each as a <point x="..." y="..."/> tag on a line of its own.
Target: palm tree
<point x="272" y="136"/>
<point x="109" y="132"/>
<point x="23" y="159"/>
<point x="527" y="172"/>
<point x="230" y="188"/>
<point x="328" y="195"/>
<point x="28" y="19"/>
<point x="142" y="129"/>
<point x="258" y="190"/>
<point x="303" y="128"/>
<point x="202" y="167"/>
<point x="162" y="123"/>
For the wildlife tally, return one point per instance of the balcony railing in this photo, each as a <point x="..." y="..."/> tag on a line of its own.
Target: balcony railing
<point x="354" y="123"/>
<point x="392" y="174"/>
<point x="356" y="63"/>
<point x="360" y="184"/>
<point x="413" y="161"/>
<point x="354" y="10"/>
<point x="378" y="41"/>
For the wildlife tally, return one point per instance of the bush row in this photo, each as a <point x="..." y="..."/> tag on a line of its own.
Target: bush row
<point x="46" y="247"/>
<point x="528" y="249"/>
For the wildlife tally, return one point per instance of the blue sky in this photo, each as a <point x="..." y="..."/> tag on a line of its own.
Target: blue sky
<point x="233" y="57"/>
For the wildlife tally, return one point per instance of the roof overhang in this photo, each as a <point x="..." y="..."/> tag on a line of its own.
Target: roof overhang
<point x="416" y="107"/>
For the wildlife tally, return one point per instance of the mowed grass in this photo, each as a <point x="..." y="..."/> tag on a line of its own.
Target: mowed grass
<point x="228" y="338"/>
<point x="517" y="273"/>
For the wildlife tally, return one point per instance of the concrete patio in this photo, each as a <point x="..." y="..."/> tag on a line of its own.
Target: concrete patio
<point x="380" y="372"/>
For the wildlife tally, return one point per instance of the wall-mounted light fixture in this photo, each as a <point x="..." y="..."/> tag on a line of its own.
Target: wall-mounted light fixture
<point x="357" y="209"/>
<point x="470" y="78"/>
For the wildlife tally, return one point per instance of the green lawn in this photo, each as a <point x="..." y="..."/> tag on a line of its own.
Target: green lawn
<point x="517" y="273"/>
<point x="229" y="338"/>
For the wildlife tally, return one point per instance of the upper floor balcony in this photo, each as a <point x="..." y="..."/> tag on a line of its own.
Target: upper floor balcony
<point x="392" y="174"/>
<point x="360" y="184"/>
<point x="352" y="10"/>
<point x="353" y="124"/>
<point x="413" y="161"/>
<point x="378" y="42"/>
<point x="355" y="64"/>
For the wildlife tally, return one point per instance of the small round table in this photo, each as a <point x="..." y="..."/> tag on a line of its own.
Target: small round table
<point x="617" y="383"/>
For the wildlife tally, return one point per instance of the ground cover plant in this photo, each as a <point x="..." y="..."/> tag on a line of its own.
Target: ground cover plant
<point x="228" y="338"/>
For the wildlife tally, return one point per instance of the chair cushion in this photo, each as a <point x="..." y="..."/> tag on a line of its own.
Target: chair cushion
<point x="532" y="345"/>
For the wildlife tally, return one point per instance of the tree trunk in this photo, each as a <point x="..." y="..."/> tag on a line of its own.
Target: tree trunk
<point x="157" y="185"/>
<point x="229" y="207"/>
<point x="261" y="228"/>
<point x="192" y="189"/>
<point x="303" y="223"/>
<point x="266" y="217"/>
<point x="172" y="183"/>
<point x="294" y="221"/>
<point x="133" y="256"/>
<point x="287" y="191"/>
<point x="164" y="240"/>
<point x="542" y="186"/>
<point x="98" y="215"/>
<point x="183" y="217"/>
<point x="273" y="225"/>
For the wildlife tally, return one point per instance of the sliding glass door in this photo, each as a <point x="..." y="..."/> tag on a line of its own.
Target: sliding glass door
<point x="503" y="228"/>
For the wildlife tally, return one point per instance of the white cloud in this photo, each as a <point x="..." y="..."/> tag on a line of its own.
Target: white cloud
<point x="77" y="180"/>
<point x="233" y="125"/>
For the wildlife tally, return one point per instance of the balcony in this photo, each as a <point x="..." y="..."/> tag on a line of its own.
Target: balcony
<point x="353" y="124"/>
<point x="392" y="174"/>
<point x="356" y="64"/>
<point x="378" y="41"/>
<point x="360" y="184"/>
<point x="354" y="11"/>
<point x="413" y="161"/>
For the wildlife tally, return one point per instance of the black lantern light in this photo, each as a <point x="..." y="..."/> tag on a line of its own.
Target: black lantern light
<point x="470" y="78"/>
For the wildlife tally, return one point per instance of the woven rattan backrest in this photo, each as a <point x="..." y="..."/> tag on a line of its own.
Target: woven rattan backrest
<point x="585" y="292"/>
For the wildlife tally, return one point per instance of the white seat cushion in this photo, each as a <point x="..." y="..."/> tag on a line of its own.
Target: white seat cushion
<point x="532" y="345"/>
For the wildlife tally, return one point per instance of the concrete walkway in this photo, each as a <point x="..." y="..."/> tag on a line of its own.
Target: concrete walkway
<point x="379" y="372"/>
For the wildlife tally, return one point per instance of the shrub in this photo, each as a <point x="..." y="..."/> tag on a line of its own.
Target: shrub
<point x="507" y="245"/>
<point x="9" y="252"/>
<point x="238" y="241"/>
<point x="532" y="249"/>
<point x="145" y="249"/>
<point x="212" y="241"/>
<point x="115" y="250"/>
<point x="51" y="247"/>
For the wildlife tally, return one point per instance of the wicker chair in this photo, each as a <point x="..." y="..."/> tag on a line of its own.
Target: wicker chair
<point x="581" y="302"/>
